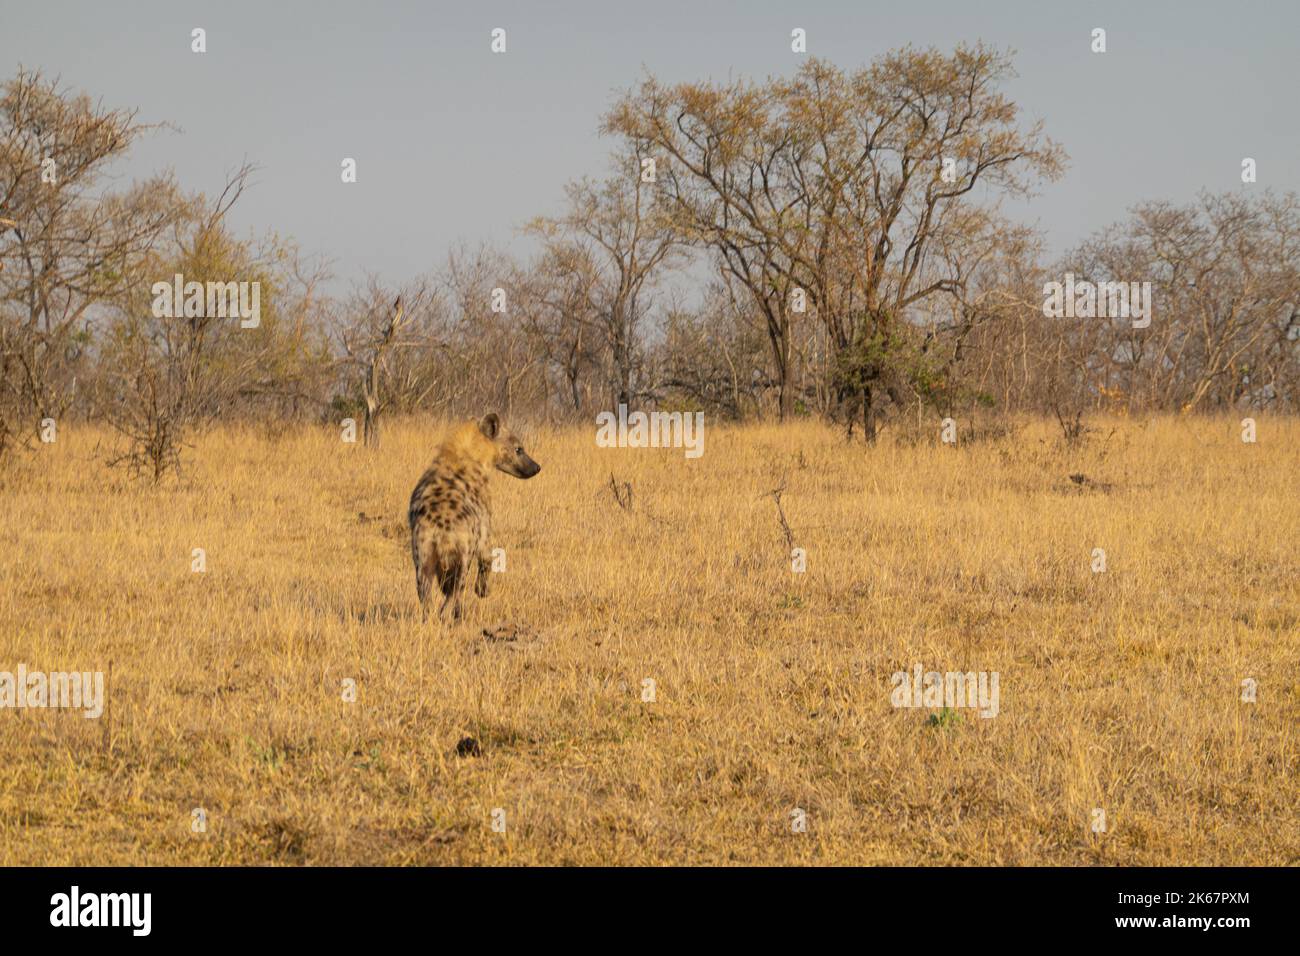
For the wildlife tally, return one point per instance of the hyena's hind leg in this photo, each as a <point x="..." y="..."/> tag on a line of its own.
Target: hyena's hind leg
<point x="484" y="569"/>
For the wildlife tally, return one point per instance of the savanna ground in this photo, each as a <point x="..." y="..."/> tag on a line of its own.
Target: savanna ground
<point x="1120" y="690"/>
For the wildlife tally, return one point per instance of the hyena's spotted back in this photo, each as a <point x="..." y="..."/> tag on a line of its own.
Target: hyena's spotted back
<point x="450" y="526"/>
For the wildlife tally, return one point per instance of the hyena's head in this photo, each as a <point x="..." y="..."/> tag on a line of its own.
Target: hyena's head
<point x="508" y="453"/>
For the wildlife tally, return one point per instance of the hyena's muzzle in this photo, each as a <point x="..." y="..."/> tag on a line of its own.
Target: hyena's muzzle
<point x="520" y="465"/>
<point x="527" y="467"/>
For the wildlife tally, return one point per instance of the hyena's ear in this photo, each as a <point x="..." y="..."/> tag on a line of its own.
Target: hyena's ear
<point x="490" y="425"/>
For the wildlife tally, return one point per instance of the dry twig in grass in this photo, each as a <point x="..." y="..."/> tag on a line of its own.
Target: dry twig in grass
<point x="775" y="494"/>
<point x="622" y="492"/>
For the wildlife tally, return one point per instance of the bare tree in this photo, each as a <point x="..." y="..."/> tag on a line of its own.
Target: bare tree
<point x="614" y="239"/>
<point x="560" y="315"/>
<point x="842" y="187"/>
<point x="167" y="371"/>
<point x="374" y="361"/>
<point x="498" y="365"/>
<point x="67" y="244"/>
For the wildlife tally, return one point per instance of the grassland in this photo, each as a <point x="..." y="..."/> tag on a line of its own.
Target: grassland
<point x="1119" y="690"/>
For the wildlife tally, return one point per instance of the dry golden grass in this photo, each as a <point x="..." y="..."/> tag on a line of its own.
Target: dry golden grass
<point x="1119" y="690"/>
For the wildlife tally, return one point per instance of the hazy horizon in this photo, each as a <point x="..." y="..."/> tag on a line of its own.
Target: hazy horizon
<point x="457" y="144"/>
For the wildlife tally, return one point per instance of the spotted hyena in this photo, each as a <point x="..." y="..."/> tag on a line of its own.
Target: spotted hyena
<point x="451" y="517"/>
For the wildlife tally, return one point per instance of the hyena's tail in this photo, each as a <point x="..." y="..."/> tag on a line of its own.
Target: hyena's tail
<point x="425" y="566"/>
<point x="454" y="577"/>
<point x="454" y="569"/>
<point x="424" y="574"/>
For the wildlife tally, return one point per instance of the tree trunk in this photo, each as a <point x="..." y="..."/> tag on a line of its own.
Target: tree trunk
<point x="372" y="424"/>
<point x="868" y="416"/>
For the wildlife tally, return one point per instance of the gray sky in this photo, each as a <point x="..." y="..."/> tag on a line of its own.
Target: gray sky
<point x="455" y="143"/>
